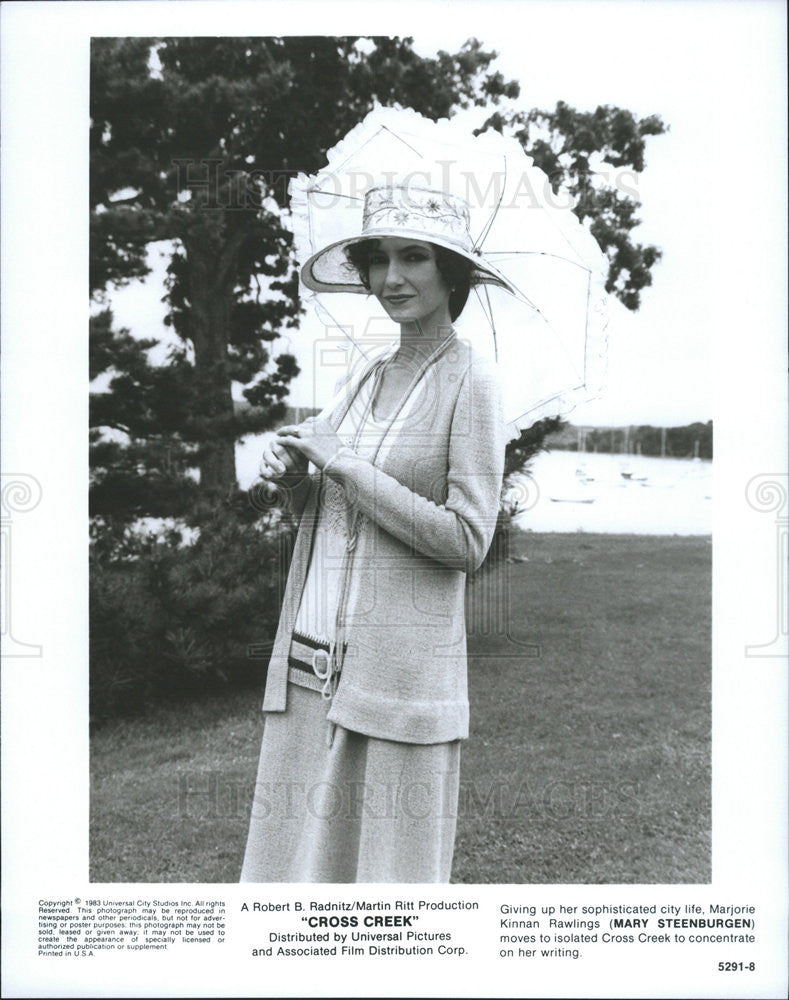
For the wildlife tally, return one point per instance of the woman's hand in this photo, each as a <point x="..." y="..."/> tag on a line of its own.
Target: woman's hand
<point x="281" y="463"/>
<point x="315" y="439"/>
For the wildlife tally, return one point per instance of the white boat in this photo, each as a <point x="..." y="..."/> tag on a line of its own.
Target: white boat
<point x="578" y="499"/>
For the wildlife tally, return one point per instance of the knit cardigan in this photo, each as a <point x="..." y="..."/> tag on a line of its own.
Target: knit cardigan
<point x="429" y="506"/>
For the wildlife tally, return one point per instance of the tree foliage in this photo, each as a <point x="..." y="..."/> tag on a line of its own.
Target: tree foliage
<point x="688" y="441"/>
<point x="168" y="620"/>
<point x="193" y="141"/>
<point x="140" y="441"/>
<point x="575" y="149"/>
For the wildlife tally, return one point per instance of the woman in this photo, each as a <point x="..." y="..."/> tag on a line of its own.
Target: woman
<point x="366" y="689"/>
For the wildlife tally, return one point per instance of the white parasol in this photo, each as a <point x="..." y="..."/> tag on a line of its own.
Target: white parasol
<point x="544" y="324"/>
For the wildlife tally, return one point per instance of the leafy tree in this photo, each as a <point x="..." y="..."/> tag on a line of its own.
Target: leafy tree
<point x="565" y="144"/>
<point x="689" y="441"/>
<point x="676" y="442"/>
<point x="192" y="142"/>
<point x="140" y="447"/>
<point x="572" y="147"/>
<point x="529" y="443"/>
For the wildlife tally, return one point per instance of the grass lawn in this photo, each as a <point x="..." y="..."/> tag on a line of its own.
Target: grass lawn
<point x="589" y="754"/>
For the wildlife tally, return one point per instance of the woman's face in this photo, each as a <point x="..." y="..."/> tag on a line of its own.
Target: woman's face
<point x="405" y="279"/>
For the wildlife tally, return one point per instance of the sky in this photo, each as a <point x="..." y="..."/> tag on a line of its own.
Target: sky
<point x="675" y="60"/>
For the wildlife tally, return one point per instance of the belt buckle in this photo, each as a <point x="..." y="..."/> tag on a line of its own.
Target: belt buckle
<point x="322" y="676"/>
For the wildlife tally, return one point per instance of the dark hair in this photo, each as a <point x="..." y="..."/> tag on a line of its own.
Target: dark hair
<point x="455" y="270"/>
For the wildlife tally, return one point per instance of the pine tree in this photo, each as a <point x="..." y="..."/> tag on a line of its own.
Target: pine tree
<point x="193" y="141"/>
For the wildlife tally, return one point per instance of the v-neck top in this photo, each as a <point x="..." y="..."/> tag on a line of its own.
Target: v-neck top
<point x="425" y="508"/>
<point x="319" y="600"/>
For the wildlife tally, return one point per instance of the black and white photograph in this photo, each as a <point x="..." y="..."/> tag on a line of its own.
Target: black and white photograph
<point x="394" y="499"/>
<point x="459" y="294"/>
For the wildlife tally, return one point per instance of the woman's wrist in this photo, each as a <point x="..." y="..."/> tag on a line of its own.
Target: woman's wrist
<point x="293" y="478"/>
<point x="330" y="466"/>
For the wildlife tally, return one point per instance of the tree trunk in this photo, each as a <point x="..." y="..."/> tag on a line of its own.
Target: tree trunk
<point x="211" y="300"/>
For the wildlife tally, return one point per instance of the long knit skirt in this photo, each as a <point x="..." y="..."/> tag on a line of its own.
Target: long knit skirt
<point x="358" y="810"/>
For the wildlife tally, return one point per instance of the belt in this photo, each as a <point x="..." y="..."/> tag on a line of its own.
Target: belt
<point x="312" y="660"/>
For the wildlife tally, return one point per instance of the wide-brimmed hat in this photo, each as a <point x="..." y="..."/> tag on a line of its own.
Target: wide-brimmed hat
<point x="537" y="302"/>
<point x="408" y="211"/>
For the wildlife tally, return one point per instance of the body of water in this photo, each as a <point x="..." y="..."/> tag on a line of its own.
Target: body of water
<point x="568" y="491"/>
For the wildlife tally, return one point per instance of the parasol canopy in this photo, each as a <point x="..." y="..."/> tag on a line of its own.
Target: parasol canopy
<point x="538" y="304"/>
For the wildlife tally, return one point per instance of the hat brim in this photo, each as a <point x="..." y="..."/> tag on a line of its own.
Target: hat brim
<point x="329" y="270"/>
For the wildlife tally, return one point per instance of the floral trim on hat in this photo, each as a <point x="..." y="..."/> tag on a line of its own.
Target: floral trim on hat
<point x="434" y="213"/>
